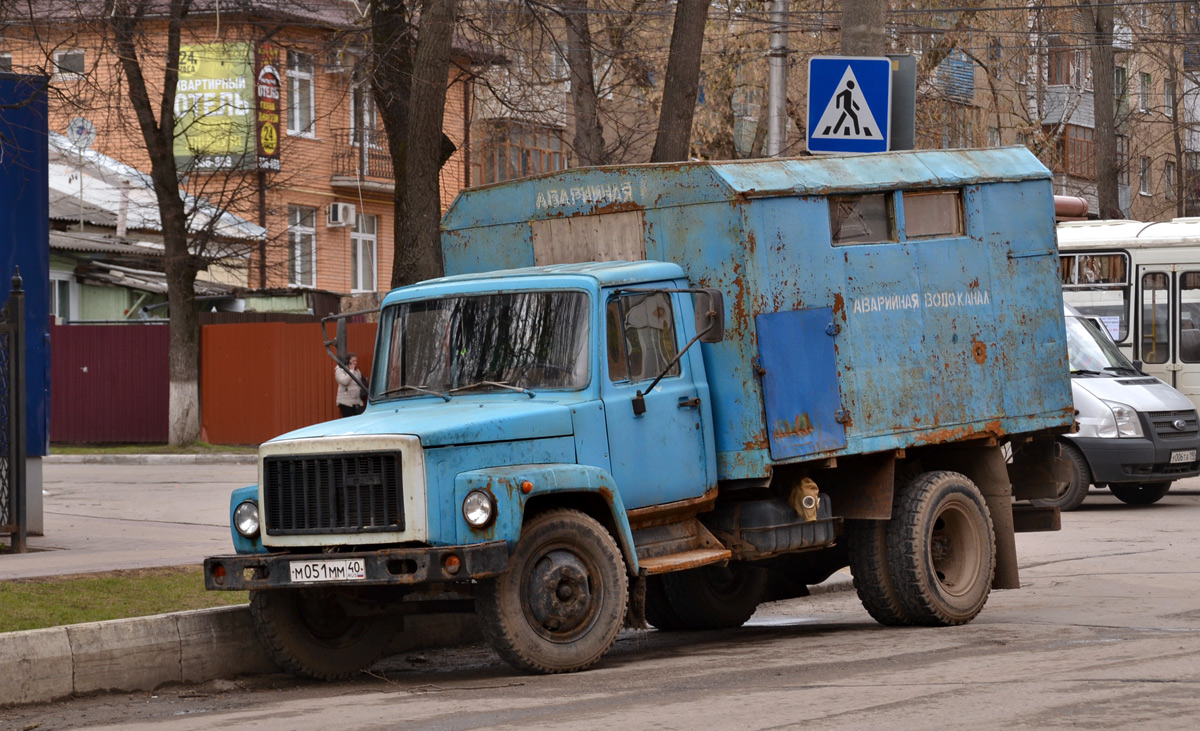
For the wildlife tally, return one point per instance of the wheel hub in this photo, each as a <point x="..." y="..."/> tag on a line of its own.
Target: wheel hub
<point x="559" y="593"/>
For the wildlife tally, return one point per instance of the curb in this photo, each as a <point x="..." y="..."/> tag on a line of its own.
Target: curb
<point x="218" y="458"/>
<point x="142" y="653"/>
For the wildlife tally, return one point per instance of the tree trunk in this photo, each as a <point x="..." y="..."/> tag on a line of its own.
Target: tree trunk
<point x="180" y="264"/>
<point x="863" y="27"/>
<point x="682" y="86"/>
<point x="588" y="145"/>
<point x="422" y="258"/>
<point x="1104" y="103"/>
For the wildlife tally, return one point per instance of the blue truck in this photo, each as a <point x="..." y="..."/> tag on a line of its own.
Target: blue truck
<point x="668" y="393"/>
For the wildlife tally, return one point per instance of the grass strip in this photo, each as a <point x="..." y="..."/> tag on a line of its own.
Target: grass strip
<point x="58" y="600"/>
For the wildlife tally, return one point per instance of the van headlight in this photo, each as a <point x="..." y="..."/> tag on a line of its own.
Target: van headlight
<point x="1125" y="422"/>
<point x="245" y="518"/>
<point x="479" y="509"/>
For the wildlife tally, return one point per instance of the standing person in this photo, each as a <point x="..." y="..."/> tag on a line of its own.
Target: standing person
<point x="350" y="396"/>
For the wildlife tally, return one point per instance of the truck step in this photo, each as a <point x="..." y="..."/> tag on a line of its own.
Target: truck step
<point x="685" y="560"/>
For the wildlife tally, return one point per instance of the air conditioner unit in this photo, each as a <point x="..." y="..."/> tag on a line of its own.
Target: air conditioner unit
<point x="339" y="214"/>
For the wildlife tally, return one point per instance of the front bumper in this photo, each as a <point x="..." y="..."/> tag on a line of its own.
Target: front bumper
<point x="387" y="567"/>
<point x="1136" y="460"/>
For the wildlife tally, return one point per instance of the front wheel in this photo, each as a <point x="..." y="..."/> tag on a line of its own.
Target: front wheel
<point x="1076" y="489"/>
<point x="1143" y="493"/>
<point x="561" y="602"/>
<point x="309" y="633"/>
<point x="941" y="549"/>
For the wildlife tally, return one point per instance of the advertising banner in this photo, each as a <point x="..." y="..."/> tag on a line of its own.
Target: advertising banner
<point x="214" y="108"/>
<point x="268" y="103"/>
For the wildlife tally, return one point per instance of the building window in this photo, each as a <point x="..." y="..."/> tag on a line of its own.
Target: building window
<point x="63" y="305"/>
<point x="1144" y="176"/>
<point x="301" y="104"/>
<point x="1077" y="151"/>
<point x="68" y="64"/>
<point x="510" y="150"/>
<point x="1067" y="64"/>
<point x="995" y="57"/>
<point x="1169" y="98"/>
<point x="363" y="118"/>
<point x="1123" y="160"/>
<point x="1121" y="90"/>
<point x="1144" y="92"/>
<point x="363" y="239"/>
<point x="5" y="62"/>
<point x="993" y="136"/>
<point x="1169" y="179"/>
<point x="302" y="246"/>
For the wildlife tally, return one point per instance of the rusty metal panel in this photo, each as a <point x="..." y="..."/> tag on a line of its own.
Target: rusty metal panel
<point x="800" y="383"/>
<point x="259" y="380"/>
<point x="110" y="383"/>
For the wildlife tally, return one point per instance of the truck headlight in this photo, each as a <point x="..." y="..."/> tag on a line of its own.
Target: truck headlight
<point x="1125" y="421"/>
<point x="479" y="509"/>
<point x="245" y="518"/>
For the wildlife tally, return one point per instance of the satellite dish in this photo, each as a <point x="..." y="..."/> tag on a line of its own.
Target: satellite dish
<point x="81" y="133"/>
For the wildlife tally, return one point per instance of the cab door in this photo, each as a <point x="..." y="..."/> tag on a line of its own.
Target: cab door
<point x="659" y="455"/>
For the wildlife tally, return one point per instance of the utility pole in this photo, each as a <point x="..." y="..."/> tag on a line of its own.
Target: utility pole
<point x="863" y="26"/>
<point x="777" y="80"/>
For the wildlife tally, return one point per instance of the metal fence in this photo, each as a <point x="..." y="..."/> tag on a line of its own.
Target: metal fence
<point x="12" y="416"/>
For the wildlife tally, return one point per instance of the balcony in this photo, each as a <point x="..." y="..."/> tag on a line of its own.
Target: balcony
<point x="361" y="161"/>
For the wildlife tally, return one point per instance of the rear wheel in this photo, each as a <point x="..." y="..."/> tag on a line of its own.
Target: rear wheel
<point x="715" y="597"/>
<point x="1144" y="493"/>
<point x="659" y="612"/>
<point x="308" y="632"/>
<point x="941" y="549"/>
<point x="1073" y="493"/>
<point x="867" y="540"/>
<point x="561" y="602"/>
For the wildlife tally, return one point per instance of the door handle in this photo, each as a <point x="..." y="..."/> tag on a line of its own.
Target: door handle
<point x="689" y="403"/>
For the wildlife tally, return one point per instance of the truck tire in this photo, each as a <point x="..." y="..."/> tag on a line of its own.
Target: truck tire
<point x="1140" y="493"/>
<point x="1076" y="489"/>
<point x="941" y="549"/>
<point x="867" y="540"/>
<point x="561" y="602"/>
<point x="659" y="612"/>
<point x="715" y="597"/>
<point x="307" y="632"/>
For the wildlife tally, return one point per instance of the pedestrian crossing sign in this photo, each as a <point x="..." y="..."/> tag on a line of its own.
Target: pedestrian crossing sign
<point x="849" y="104"/>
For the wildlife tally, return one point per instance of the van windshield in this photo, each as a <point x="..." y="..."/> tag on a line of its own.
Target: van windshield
<point x="1091" y="351"/>
<point x="505" y="341"/>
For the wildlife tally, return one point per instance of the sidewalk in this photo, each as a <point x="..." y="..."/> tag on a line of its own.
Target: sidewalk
<point x="144" y="511"/>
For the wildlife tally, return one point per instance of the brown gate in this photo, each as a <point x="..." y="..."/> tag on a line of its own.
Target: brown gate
<point x="111" y="383"/>
<point x="259" y="380"/>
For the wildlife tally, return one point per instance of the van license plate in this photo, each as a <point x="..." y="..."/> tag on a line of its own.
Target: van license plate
<point x="346" y="569"/>
<point x="1186" y="455"/>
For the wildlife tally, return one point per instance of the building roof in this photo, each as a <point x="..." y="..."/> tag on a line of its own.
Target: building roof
<point x="96" y="243"/>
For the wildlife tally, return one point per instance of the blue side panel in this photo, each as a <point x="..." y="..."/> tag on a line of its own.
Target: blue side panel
<point x="25" y="237"/>
<point x="800" y="384"/>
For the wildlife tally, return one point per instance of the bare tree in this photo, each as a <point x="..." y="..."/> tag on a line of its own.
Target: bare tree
<point x="1099" y="13"/>
<point x="682" y="85"/>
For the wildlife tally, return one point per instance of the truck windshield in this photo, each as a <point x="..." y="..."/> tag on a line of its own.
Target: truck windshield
<point x="1091" y="351"/>
<point x="520" y="340"/>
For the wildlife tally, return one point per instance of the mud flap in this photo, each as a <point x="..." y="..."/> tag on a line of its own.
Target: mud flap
<point x="1038" y="469"/>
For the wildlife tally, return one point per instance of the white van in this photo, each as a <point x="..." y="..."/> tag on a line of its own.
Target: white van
<point x="1136" y="433"/>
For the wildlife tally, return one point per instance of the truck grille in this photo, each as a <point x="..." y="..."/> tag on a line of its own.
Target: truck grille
<point x="333" y="493"/>
<point x="1164" y="424"/>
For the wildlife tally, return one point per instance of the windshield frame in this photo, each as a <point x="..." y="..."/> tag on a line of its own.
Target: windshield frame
<point x="446" y="291"/>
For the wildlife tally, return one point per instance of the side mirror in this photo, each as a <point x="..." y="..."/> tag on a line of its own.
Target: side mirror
<point x="709" y="305"/>
<point x="339" y="340"/>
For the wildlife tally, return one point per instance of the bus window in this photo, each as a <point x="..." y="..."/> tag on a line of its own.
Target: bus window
<point x="1189" y="317"/>
<point x="1097" y="284"/>
<point x="1156" y="308"/>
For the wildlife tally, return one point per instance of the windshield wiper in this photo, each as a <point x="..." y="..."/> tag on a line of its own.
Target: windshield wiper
<point x="498" y="384"/>
<point x="1086" y="373"/>
<point x="406" y="387"/>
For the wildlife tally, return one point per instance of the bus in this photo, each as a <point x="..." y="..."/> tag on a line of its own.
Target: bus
<point x="1142" y="282"/>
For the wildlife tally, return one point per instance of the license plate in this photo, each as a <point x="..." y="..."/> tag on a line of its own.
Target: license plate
<point x="345" y="569"/>
<point x="1186" y="455"/>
